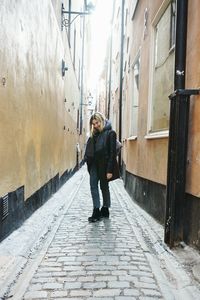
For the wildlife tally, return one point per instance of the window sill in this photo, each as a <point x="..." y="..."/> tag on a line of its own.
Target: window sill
<point x="157" y="135"/>
<point x="132" y="138"/>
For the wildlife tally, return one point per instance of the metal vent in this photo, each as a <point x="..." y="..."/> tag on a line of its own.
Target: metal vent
<point x="5" y="207"/>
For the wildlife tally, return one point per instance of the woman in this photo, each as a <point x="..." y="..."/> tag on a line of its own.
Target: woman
<point x="100" y="156"/>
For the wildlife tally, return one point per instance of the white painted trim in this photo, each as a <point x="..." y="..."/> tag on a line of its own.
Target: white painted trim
<point x="138" y="55"/>
<point x="172" y="49"/>
<point x="132" y="138"/>
<point x="160" y="12"/>
<point x="157" y="135"/>
<point x="133" y="8"/>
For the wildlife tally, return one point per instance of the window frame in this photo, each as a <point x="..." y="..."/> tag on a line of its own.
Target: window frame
<point x="159" y="133"/>
<point x="131" y="135"/>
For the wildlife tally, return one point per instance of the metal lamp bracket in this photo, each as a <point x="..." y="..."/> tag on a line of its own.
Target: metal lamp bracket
<point x="65" y="22"/>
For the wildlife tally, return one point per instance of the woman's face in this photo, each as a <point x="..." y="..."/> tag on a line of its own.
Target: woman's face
<point x="96" y="124"/>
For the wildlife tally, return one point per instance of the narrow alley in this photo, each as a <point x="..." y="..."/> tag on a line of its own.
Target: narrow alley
<point x="57" y="254"/>
<point x="111" y="87"/>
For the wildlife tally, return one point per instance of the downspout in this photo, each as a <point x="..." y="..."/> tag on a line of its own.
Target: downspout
<point x="121" y="77"/>
<point x="178" y="135"/>
<point x="106" y="92"/>
<point x="110" y="65"/>
<point x="110" y="77"/>
<point x="181" y="44"/>
<point x="69" y="26"/>
<point x="82" y="76"/>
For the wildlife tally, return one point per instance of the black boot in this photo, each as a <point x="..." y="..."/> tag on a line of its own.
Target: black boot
<point x="95" y="215"/>
<point x="104" y="212"/>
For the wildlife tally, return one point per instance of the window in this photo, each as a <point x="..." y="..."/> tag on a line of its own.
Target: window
<point x="79" y="73"/>
<point x="173" y="24"/>
<point x="163" y="69"/>
<point x="77" y="119"/>
<point x="126" y="18"/>
<point x="74" y="54"/>
<point x="133" y="8"/>
<point x="135" y="77"/>
<point x="127" y="44"/>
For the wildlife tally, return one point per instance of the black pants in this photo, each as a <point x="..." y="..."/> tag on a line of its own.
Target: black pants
<point x="97" y="174"/>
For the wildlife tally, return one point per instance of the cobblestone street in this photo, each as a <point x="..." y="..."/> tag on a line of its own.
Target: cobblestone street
<point x="119" y="258"/>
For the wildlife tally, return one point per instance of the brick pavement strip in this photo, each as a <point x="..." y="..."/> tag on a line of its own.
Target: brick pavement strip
<point x="107" y="293"/>
<point x="59" y="294"/>
<point x="101" y="261"/>
<point x="36" y="295"/>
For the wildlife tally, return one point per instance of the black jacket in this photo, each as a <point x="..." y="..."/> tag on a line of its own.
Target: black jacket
<point x="101" y="149"/>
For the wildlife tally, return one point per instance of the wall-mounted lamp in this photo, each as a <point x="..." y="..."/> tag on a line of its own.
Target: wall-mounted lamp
<point x="67" y="21"/>
<point x="64" y="68"/>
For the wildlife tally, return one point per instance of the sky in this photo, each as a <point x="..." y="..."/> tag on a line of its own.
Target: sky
<point x="100" y="30"/>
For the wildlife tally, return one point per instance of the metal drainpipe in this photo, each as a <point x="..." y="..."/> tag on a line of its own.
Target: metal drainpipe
<point x="178" y="135"/>
<point x="121" y="77"/>
<point x="82" y="76"/>
<point x="110" y="64"/>
<point x="69" y="27"/>
<point x="110" y="77"/>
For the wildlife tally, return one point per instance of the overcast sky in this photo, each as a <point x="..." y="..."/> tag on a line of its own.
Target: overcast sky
<point x="100" y="29"/>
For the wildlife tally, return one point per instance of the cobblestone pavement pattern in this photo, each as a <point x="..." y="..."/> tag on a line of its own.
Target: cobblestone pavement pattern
<point x="103" y="260"/>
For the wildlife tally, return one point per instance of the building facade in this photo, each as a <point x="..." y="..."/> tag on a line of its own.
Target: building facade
<point x="41" y="92"/>
<point x="146" y="52"/>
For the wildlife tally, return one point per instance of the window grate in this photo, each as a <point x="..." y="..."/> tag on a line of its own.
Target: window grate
<point x="4" y="207"/>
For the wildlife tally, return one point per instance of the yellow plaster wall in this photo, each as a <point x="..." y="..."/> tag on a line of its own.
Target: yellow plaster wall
<point x="148" y="158"/>
<point x="34" y="146"/>
<point x="193" y="81"/>
<point x="143" y="157"/>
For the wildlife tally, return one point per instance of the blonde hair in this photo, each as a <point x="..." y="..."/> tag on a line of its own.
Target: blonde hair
<point x="98" y="117"/>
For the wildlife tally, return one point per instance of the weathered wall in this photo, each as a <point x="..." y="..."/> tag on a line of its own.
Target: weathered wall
<point x="147" y="158"/>
<point x="34" y="146"/>
<point x="145" y="151"/>
<point x="193" y="81"/>
<point x="144" y="157"/>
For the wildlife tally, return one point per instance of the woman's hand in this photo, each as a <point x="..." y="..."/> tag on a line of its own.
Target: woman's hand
<point x="109" y="176"/>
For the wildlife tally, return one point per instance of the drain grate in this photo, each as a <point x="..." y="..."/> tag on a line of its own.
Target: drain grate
<point x="4" y="207"/>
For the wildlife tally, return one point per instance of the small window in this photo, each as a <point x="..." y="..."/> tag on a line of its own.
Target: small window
<point x="163" y="69"/>
<point x="79" y="73"/>
<point x="133" y="8"/>
<point x="126" y="18"/>
<point x="74" y="54"/>
<point x="173" y="24"/>
<point x="127" y="46"/>
<point x="135" y="78"/>
<point x="77" y="120"/>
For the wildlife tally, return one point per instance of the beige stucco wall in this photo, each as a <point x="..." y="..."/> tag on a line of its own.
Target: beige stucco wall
<point x="34" y="146"/>
<point x="148" y="157"/>
<point x="193" y="81"/>
<point x="143" y="157"/>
